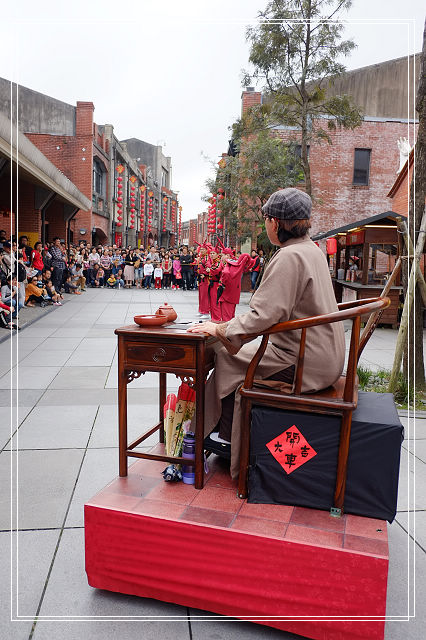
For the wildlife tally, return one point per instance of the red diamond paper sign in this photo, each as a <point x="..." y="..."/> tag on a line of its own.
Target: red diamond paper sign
<point x="291" y="449"/>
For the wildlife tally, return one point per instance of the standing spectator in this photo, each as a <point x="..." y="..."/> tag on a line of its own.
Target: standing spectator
<point x="167" y="270"/>
<point x="158" y="275"/>
<point x="37" y="258"/>
<point x="177" y="272"/>
<point x="147" y="272"/>
<point x="58" y="264"/>
<point x="138" y="265"/>
<point x="105" y="262"/>
<point x="254" y="271"/>
<point x="129" y="269"/>
<point x="26" y="250"/>
<point x="185" y="261"/>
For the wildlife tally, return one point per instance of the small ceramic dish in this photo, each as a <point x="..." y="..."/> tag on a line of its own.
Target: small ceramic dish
<point x="150" y="321"/>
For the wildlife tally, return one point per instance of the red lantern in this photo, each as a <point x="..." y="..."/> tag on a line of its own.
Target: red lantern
<point x="120" y="179"/>
<point x="118" y="224"/>
<point x="120" y="192"/>
<point x="220" y="226"/>
<point x="120" y="199"/>
<point x="132" y="210"/>
<point x="331" y="246"/>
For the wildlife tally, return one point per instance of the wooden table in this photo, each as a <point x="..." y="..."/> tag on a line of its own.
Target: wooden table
<point x="165" y="349"/>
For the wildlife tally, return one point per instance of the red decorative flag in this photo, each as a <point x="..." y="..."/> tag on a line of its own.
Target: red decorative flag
<point x="291" y="449"/>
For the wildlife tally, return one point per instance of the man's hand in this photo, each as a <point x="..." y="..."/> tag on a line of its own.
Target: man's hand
<point x="204" y="327"/>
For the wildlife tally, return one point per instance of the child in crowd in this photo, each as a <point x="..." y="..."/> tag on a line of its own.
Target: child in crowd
<point x="167" y="266"/>
<point x="148" y="270"/>
<point x="177" y="275"/>
<point x="52" y="294"/>
<point x="112" y="282"/>
<point x="158" y="275"/>
<point x="70" y="287"/>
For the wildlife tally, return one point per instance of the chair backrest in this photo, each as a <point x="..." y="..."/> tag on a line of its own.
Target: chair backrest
<point x="352" y="310"/>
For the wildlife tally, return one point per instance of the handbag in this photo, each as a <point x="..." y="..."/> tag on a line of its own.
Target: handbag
<point x="178" y="275"/>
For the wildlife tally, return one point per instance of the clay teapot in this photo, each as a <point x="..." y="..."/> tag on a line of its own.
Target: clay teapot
<point x="166" y="309"/>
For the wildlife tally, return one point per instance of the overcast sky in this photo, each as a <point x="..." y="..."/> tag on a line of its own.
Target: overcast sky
<point x="169" y="72"/>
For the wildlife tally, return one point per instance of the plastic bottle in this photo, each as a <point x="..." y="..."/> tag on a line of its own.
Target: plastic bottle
<point x="188" y="451"/>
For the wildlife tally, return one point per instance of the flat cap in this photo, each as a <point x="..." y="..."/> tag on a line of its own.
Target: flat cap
<point x="288" y="204"/>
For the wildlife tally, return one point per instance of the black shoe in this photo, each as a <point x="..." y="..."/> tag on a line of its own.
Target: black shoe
<point x="219" y="448"/>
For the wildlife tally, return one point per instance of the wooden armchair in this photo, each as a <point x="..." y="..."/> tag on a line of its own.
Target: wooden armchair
<point x="340" y="399"/>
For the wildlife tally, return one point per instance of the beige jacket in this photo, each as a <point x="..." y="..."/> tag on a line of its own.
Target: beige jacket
<point x="296" y="284"/>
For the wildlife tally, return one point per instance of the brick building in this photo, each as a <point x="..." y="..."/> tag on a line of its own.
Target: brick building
<point x="352" y="176"/>
<point x="121" y="187"/>
<point x="35" y="197"/>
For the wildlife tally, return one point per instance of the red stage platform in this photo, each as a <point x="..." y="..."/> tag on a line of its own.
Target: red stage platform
<point x="271" y="564"/>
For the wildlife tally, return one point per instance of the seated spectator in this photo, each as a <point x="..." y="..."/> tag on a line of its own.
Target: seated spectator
<point x="112" y="282"/>
<point x="34" y="294"/>
<point x="5" y="321"/>
<point x="77" y="277"/>
<point x="119" y="278"/>
<point x="52" y="294"/>
<point x="97" y="276"/>
<point x="9" y="295"/>
<point x="3" y="238"/>
<point x="70" y="287"/>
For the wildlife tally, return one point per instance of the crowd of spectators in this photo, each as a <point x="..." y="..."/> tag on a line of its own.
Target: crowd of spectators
<point x="40" y="275"/>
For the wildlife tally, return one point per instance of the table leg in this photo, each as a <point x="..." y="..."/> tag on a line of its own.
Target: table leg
<point x="122" y="414"/>
<point x="199" y="419"/>
<point x="162" y="401"/>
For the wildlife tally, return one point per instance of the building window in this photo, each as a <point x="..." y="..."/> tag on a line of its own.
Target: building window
<point x="362" y="166"/>
<point x="98" y="178"/>
<point x="164" y="178"/>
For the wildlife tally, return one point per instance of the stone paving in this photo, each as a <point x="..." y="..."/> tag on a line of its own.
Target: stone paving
<point x="66" y="392"/>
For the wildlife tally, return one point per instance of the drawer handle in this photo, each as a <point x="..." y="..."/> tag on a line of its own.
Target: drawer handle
<point x="159" y="355"/>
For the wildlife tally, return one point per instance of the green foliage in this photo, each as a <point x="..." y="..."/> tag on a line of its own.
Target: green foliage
<point x="264" y="164"/>
<point x="364" y="376"/>
<point x="295" y="50"/>
<point x="378" y="381"/>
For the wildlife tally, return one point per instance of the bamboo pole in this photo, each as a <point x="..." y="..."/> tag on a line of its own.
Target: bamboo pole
<point x="403" y="328"/>
<point x="410" y="249"/>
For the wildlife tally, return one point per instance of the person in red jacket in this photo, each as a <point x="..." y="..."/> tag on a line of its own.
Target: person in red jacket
<point x="229" y="289"/>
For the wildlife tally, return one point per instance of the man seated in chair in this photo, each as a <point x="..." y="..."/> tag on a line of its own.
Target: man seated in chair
<point x="296" y="284"/>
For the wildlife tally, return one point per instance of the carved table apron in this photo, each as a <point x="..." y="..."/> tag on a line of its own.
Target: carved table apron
<point x="166" y="349"/>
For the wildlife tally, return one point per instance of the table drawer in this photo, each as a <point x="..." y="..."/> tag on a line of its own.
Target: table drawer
<point x="149" y="353"/>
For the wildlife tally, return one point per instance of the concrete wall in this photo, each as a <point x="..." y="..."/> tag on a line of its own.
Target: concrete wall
<point x="381" y="90"/>
<point x="37" y="113"/>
